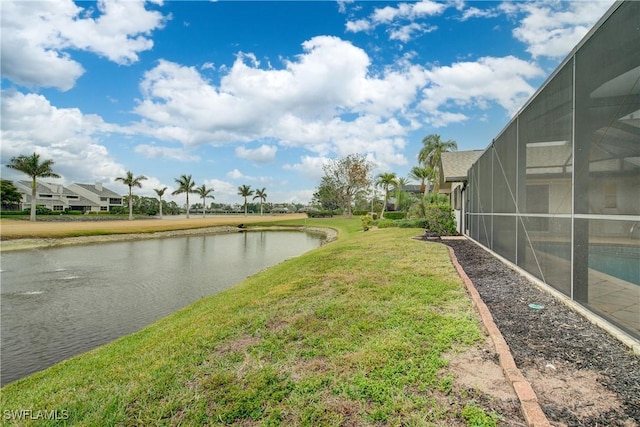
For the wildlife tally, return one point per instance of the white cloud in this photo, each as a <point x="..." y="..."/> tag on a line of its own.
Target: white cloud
<point x="156" y="152"/>
<point x="474" y="12"/>
<point x="552" y="29"/>
<point x="408" y="32"/>
<point x="477" y="84"/>
<point x="309" y="167"/>
<point x="223" y="191"/>
<point x="359" y="25"/>
<point x="235" y="174"/>
<point x="400" y="19"/>
<point x="322" y="100"/>
<point x="37" y="38"/>
<point x="263" y="154"/>
<point x="30" y="123"/>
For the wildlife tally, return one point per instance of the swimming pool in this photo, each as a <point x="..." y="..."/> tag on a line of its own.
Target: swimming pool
<point x="619" y="261"/>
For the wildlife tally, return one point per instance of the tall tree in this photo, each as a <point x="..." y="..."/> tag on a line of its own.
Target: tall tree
<point x="431" y="155"/>
<point x="346" y="177"/>
<point x="328" y="195"/>
<point x="422" y="174"/>
<point x="9" y="194"/>
<point x="185" y="185"/>
<point x="32" y="166"/>
<point x="385" y="181"/>
<point x="402" y="197"/>
<point x="245" y="191"/>
<point x="262" y="195"/>
<point x="131" y="181"/>
<point x="160" y="193"/>
<point x="204" y="192"/>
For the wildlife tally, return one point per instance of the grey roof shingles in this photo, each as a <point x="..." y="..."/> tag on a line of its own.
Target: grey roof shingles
<point x="104" y="193"/>
<point x="456" y="164"/>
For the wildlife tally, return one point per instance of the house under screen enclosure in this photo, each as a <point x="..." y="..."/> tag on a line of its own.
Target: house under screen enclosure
<point x="557" y="193"/>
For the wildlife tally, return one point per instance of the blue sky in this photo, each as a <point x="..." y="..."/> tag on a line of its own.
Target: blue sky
<point x="263" y="93"/>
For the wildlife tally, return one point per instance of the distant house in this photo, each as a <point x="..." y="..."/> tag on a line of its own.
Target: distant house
<point x="55" y="197"/>
<point x="455" y="167"/>
<point x="411" y="189"/>
<point x="103" y="198"/>
<point x="76" y="197"/>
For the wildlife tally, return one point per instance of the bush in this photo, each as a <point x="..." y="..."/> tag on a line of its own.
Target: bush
<point x="319" y="214"/>
<point x="440" y="219"/>
<point x="118" y="210"/>
<point x="40" y="210"/>
<point x="394" y="215"/>
<point x="367" y="221"/>
<point x="412" y="223"/>
<point x="13" y="213"/>
<point x="386" y="223"/>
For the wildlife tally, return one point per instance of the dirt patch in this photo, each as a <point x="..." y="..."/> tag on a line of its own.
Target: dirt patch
<point x="479" y="369"/>
<point x="581" y="375"/>
<point x="479" y="379"/>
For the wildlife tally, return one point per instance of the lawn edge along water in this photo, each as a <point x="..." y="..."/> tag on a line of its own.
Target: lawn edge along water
<point x="351" y="332"/>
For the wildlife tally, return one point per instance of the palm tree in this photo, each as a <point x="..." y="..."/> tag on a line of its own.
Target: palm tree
<point x="262" y="195"/>
<point x="131" y="181"/>
<point x="422" y="174"/>
<point x="245" y="191"/>
<point x="160" y="193"/>
<point x="431" y="155"/>
<point x="31" y="166"/>
<point x="185" y="185"/>
<point x="385" y="180"/>
<point x="204" y="192"/>
<point x="400" y="195"/>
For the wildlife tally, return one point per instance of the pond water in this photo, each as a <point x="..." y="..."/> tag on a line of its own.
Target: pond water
<point x="59" y="302"/>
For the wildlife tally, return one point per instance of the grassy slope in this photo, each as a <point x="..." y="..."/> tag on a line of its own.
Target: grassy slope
<point x="349" y="333"/>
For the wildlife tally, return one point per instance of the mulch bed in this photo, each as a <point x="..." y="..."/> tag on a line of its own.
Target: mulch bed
<point x="553" y="333"/>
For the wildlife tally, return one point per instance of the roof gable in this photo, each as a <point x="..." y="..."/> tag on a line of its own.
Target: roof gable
<point x="456" y="164"/>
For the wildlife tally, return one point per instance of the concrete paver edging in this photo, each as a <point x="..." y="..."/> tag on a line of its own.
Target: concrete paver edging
<point x="530" y="407"/>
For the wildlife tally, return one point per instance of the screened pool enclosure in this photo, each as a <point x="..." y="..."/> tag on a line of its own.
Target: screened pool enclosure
<point x="558" y="191"/>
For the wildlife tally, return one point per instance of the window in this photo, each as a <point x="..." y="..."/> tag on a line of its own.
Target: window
<point x="611" y="195"/>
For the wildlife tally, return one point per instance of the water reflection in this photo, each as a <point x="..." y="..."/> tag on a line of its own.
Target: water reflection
<point x="59" y="302"/>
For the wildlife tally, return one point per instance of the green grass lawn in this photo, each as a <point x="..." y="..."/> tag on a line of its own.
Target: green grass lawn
<point x="350" y="333"/>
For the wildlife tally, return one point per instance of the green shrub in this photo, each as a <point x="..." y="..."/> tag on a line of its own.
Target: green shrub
<point x="440" y="219"/>
<point x="367" y="222"/>
<point x="319" y="214"/>
<point x="412" y="223"/>
<point x="386" y="223"/>
<point x="394" y="215"/>
<point x="41" y="210"/>
<point x="13" y="213"/>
